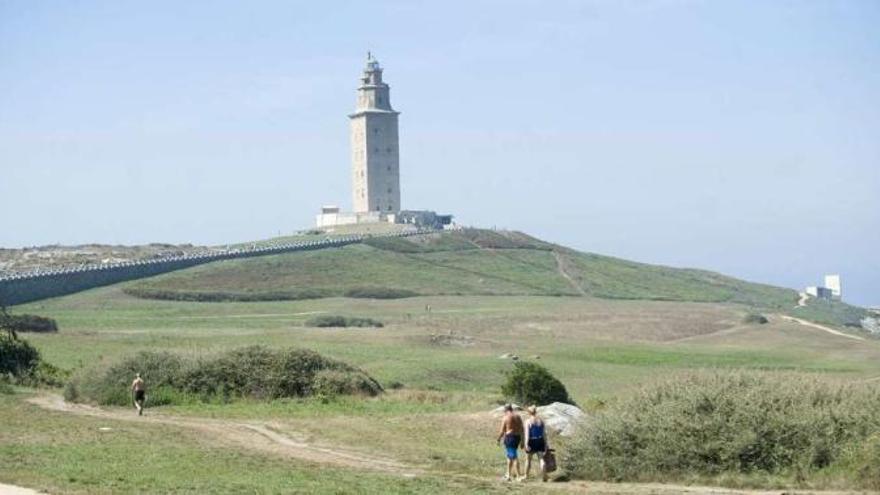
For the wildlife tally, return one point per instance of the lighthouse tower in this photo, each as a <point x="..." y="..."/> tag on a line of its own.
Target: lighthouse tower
<point x="375" y="160"/>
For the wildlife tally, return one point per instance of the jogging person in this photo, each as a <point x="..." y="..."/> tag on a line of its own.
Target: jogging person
<point x="536" y="441"/>
<point x="139" y="391"/>
<point x="512" y="434"/>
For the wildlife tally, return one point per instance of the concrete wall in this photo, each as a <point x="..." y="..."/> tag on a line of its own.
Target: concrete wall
<point x="23" y="288"/>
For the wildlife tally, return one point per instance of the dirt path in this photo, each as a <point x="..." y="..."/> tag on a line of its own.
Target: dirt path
<point x="820" y="327"/>
<point x="560" y="267"/>
<point x="262" y="436"/>
<point x="16" y="490"/>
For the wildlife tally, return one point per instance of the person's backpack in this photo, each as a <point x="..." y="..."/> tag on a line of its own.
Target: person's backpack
<point x="549" y="461"/>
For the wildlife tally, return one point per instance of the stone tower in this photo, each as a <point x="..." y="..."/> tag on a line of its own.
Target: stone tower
<point x="375" y="163"/>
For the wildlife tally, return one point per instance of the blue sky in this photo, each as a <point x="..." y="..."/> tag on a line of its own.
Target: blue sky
<point x="742" y="137"/>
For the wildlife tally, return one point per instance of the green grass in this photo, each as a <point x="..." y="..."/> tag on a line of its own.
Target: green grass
<point x="600" y="349"/>
<point x="69" y="454"/>
<point x="614" y="278"/>
<point x="798" y="430"/>
<point x="469" y="262"/>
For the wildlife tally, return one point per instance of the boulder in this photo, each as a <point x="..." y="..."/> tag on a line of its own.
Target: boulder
<point x="561" y="418"/>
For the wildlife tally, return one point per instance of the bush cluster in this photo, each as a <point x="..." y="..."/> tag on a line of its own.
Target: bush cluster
<point x="20" y="362"/>
<point x="17" y="357"/>
<point x="342" y="321"/>
<point x="249" y="372"/>
<point x="224" y="296"/>
<point x="712" y="424"/>
<point x="755" y="319"/>
<point x="379" y="293"/>
<point x="531" y="383"/>
<point x="32" y="323"/>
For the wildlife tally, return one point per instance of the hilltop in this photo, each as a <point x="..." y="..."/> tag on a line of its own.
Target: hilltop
<point x="467" y="262"/>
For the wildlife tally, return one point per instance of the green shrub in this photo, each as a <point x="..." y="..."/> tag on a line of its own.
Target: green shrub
<point x="17" y="357"/>
<point x="379" y="293"/>
<point x="718" y="424"/>
<point x="112" y="385"/>
<point x="342" y="321"/>
<point x="224" y="296"/>
<point x="253" y="372"/>
<point x="5" y="386"/>
<point x="531" y="383"/>
<point x="32" y="323"/>
<point x="755" y="319"/>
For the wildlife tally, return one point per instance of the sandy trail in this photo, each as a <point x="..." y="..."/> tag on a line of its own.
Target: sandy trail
<point x="821" y="327"/>
<point x="263" y="437"/>
<point x="560" y="267"/>
<point x="17" y="490"/>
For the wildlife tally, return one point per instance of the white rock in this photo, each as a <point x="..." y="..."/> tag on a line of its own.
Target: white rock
<point x="561" y="418"/>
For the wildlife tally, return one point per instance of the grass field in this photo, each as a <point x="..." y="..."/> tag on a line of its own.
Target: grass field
<point x="471" y="262"/>
<point x="604" y="327"/>
<point x="446" y="358"/>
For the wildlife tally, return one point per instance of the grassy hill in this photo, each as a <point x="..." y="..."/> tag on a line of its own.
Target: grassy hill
<point x="602" y="340"/>
<point x="467" y="262"/>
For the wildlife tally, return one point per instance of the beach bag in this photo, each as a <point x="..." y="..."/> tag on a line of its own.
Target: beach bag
<point x="549" y="461"/>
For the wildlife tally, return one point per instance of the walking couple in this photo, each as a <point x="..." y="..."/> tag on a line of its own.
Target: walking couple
<point x="531" y="437"/>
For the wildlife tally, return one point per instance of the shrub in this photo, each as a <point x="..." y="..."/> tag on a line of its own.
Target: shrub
<point x="259" y="372"/>
<point x="727" y="424"/>
<point x="531" y="383"/>
<point x="159" y="370"/>
<point x="17" y="357"/>
<point x="253" y="372"/>
<point x="379" y="293"/>
<point x="342" y="321"/>
<point x="755" y="319"/>
<point x="32" y="323"/>
<point x="5" y="386"/>
<point x="22" y="364"/>
<point x="224" y="296"/>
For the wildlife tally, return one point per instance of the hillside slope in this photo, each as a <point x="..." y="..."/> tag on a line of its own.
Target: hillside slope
<point x="467" y="262"/>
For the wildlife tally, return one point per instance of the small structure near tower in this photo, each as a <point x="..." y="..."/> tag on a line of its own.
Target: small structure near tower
<point x="830" y="291"/>
<point x="832" y="282"/>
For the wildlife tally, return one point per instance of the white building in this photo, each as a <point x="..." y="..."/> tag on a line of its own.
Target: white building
<point x="831" y="289"/>
<point x="833" y="283"/>
<point x="819" y="292"/>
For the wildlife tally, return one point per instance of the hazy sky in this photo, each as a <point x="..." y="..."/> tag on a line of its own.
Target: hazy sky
<point x="742" y="137"/>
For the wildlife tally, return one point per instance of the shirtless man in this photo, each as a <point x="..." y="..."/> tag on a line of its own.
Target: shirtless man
<point x="139" y="391"/>
<point x="512" y="434"/>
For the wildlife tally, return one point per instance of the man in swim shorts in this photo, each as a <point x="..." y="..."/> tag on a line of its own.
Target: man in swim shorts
<point x="139" y="391"/>
<point x="512" y="434"/>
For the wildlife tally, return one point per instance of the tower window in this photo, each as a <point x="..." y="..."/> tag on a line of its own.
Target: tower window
<point x="389" y="190"/>
<point x="389" y="207"/>
<point x="375" y="150"/>
<point x="389" y="168"/>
